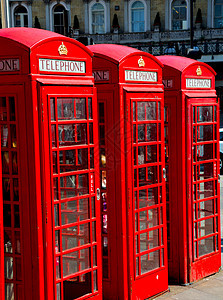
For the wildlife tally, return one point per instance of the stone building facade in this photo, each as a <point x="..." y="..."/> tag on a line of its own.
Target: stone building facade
<point x="149" y="25"/>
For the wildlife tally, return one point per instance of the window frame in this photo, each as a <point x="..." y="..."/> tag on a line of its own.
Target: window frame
<point x="187" y="16"/>
<point x="91" y="5"/>
<point x="130" y="15"/>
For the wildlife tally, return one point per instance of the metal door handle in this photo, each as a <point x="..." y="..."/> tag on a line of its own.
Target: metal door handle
<point x="98" y="194"/>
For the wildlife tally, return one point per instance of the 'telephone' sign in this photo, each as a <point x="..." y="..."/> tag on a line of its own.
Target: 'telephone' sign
<point x="198" y="83"/>
<point x="9" y="65"/>
<point x="132" y="75"/>
<point x="61" y="66"/>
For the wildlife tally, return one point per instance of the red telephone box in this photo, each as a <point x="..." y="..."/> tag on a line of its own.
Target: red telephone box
<point x="131" y="138"/>
<point x="192" y="162"/>
<point x="48" y="118"/>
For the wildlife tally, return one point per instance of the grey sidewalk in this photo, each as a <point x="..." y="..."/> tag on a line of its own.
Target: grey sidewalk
<point x="210" y="288"/>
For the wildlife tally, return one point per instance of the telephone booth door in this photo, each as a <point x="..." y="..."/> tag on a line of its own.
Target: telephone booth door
<point x="203" y="206"/>
<point x="146" y="194"/>
<point x="73" y="207"/>
<point x="15" y="227"/>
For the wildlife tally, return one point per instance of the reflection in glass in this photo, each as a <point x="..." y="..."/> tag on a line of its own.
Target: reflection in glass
<point x="205" y="227"/>
<point x="206" y="246"/>
<point x="73" y="134"/>
<point x="4" y="136"/>
<point x="5" y="162"/>
<point x="71" y="108"/>
<point x="3" y="110"/>
<point x="146" y="111"/>
<point x="148" y="197"/>
<point x="6" y="188"/>
<point x="150" y="262"/>
<point x="8" y="266"/>
<point x="205" y="114"/>
<point x="73" y="185"/>
<point x="52" y="108"/>
<point x="9" y="291"/>
<point x="204" y="133"/>
<point x="12" y="108"/>
<point x="73" y="160"/>
<point x="90" y="108"/>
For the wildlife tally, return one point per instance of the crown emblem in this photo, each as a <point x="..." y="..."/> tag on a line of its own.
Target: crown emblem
<point x="141" y="62"/>
<point x="198" y="71"/>
<point x="62" y="49"/>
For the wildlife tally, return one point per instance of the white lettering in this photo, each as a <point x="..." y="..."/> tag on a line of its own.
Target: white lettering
<point x="60" y="66"/>
<point x="131" y="75"/>
<point x="198" y="83"/>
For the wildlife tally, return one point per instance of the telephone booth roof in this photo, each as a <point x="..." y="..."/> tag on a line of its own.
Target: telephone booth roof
<point x="181" y="63"/>
<point x="32" y="37"/>
<point x="125" y="65"/>
<point x="118" y="53"/>
<point x="29" y="45"/>
<point x="186" y="73"/>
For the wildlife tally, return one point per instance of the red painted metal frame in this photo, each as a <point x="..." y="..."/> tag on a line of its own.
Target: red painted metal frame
<point x="179" y="99"/>
<point x="110" y="63"/>
<point x="28" y="45"/>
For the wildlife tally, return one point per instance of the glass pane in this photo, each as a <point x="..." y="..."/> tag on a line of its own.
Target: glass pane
<point x="8" y="265"/>
<point x="9" y="291"/>
<point x="6" y="188"/>
<point x="146" y="111"/>
<point x="206" y="208"/>
<point x="73" y="160"/>
<point x="71" y="186"/>
<point x="12" y="108"/>
<point x="71" y="108"/>
<point x="204" y="152"/>
<point x="74" y="134"/>
<point x="13" y="136"/>
<point x="90" y="108"/>
<point x="205" y="114"/>
<point x="53" y="135"/>
<point x="148" y="175"/>
<point x="7" y="215"/>
<point x="148" y="197"/>
<point x="206" y="246"/>
<point x="52" y="108"/>
<point x="204" y="171"/>
<point x="95" y="280"/>
<point x="205" y="189"/>
<point x="205" y="227"/>
<point x="4" y="136"/>
<point x="3" y="109"/>
<point x="150" y="262"/>
<point x="204" y="133"/>
<point x="5" y="162"/>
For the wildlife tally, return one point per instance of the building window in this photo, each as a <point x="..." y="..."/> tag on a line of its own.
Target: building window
<point x="60" y="20"/>
<point x="98" y="18"/>
<point x="179" y="15"/>
<point x="218" y="14"/>
<point x="137" y="17"/>
<point x="20" y="17"/>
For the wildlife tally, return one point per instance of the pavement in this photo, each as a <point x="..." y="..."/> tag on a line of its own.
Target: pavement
<point x="209" y="288"/>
